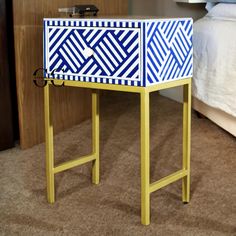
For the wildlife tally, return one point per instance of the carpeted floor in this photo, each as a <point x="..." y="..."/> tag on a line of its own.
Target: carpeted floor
<point x="113" y="207"/>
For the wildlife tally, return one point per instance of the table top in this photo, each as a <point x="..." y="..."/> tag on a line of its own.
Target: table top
<point x="115" y="18"/>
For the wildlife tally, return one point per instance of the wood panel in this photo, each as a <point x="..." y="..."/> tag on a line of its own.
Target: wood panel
<point x="31" y="12"/>
<point x="6" y="121"/>
<point x="70" y="105"/>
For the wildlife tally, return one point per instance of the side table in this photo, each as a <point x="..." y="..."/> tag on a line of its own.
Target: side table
<point x="130" y="55"/>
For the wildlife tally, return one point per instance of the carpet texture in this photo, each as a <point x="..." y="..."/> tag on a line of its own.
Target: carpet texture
<point x="113" y="207"/>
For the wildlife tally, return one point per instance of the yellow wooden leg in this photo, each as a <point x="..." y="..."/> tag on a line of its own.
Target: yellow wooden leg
<point x="145" y="159"/>
<point x="49" y="146"/>
<point x="95" y="135"/>
<point x="186" y="141"/>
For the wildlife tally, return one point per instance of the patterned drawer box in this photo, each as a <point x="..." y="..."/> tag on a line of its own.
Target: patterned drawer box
<point x="135" y="52"/>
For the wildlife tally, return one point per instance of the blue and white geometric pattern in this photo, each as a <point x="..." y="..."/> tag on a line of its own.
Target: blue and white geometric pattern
<point x="169" y="50"/>
<point x="126" y="52"/>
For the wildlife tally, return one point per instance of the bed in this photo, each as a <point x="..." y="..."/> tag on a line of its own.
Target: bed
<point x="214" y="82"/>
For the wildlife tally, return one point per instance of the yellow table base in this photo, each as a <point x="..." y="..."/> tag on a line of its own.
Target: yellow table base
<point x="146" y="187"/>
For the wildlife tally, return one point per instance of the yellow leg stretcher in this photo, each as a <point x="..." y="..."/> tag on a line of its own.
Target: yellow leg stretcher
<point x="146" y="187"/>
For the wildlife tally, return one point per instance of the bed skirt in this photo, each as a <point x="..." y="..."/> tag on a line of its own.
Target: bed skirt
<point x="221" y="118"/>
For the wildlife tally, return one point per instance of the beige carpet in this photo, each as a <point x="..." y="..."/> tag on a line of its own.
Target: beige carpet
<point x="113" y="207"/>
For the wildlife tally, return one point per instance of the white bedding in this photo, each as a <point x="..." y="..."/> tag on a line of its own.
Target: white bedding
<point x="214" y="80"/>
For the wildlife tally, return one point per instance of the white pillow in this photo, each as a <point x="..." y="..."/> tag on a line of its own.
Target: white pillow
<point x="224" y="10"/>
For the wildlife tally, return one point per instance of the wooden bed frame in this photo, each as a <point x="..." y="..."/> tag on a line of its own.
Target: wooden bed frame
<point x="221" y="118"/>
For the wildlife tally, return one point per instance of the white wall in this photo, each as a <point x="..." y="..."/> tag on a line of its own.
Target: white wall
<point x="167" y="8"/>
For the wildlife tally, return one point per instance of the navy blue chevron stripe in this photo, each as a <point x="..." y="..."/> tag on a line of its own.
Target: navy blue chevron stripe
<point x="167" y="72"/>
<point x="176" y="72"/>
<point x="53" y="39"/>
<point x="167" y="27"/>
<point x="74" y="54"/>
<point x="187" y="25"/>
<point x="132" y="43"/>
<point x="173" y="31"/>
<point x="52" y="35"/>
<point x="180" y="45"/>
<point x="130" y="65"/>
<point x="111" y="53"/>
<point x="150" y="28"/>
<point x="176" y="52"/>
<point x="166" y="66"/>
<point x="91" y="35"/>
<point x="171" y="28"/>
<point x="127" y="35"/>
<point x="77" y="47"/>
<point x="190" y="69"/>
<point x="115" y="47"/>
<point x="135" y="69"/>
<point x="154" y="56"/>
<point x="183" y="42"/>
<point x="162" y="41"/>
<point x="163" y="24"/>
<point x="111" y="59"/>
<point x="78" y="43"/>
<point x="152" y="74"/>
<point x="188" y="63"/>
<point x="69" y="61"/>
<point x="156" y="42"/>
<point x="190" y="30"/>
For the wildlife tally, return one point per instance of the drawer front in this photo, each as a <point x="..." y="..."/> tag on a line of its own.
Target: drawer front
<point x="169" y="50"/>
<point x="93" y="54"/>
